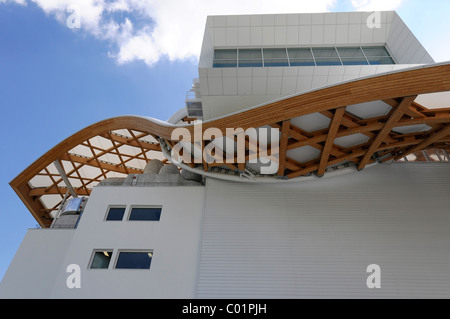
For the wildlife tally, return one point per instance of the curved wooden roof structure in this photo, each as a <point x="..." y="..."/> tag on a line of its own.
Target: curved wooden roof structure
<point x="123" y="145"/>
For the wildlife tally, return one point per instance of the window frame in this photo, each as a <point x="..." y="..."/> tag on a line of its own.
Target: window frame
<point x="94" y="252"/>
<point x="225" y="62"/>
<point x="333" y="58"/>
<point x="250" y="61"/>
<point x="115" y="206"/>
<point x="274" y="60"/>
<point x="130" y="211"/>
<point x="148" y="251"/>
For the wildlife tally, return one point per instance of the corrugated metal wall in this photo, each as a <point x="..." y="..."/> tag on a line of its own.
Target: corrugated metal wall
<point x="316" y="239"/>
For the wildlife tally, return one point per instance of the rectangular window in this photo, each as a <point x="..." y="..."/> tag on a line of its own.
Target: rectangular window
<point x="101" y="259"/>
<point x="306" y="56"/>
<point x="354" y="61"/>
<point x="328" y="61"/>
<point x="300" y="53"/>
<point x="250" y="58"/>
<point x="145" y="213"/>
<point x="226" y="58"/>
<point x="375" y="51"/>
<point x="352" y="56"/>
<point x="380" y="60"/>
<point x="325" y="53"/>
<point x="115" y="213"/>
<point x="378" y="55"/>
<point x="300" y="57"/>
<point x="275" y="57"/>
<point x="350" y="52"/>
<point x="134" y="259"/>
<point x="326" y="56"/>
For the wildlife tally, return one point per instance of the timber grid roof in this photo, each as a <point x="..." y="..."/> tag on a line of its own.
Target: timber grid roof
<point x="123" y="145"/>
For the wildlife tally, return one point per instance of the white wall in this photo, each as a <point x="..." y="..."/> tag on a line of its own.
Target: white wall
<point x="36" y="263"/>
<point x="307" y="29"/>
<point x="316" y="238"/>
<point x="305" y="239"/>
<point x="226" y="90"/>
<point x="39" y="268"/>
<point x="404" y="45"/>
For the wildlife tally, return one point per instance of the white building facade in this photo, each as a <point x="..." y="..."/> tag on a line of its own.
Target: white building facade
<point x="166" y="234"/>
<point x="228" y="89"/>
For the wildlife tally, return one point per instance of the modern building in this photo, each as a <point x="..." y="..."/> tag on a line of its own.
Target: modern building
<point x="333" y="180"/>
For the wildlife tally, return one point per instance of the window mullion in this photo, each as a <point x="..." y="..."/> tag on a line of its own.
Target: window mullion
<point x="262" y="56"/>
<point x="287" y="55"/>
<point x="314" y="58"/>
<point x="339" y="56"/>
<point x="365" y="57"/>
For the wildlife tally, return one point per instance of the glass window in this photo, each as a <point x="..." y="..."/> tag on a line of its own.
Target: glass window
<point x="115" y="213"/>
<point x="301" y="62"/>
<point x="145" y="213"/>
<point x="375" y="51"/>
<point x="326" y="56"/>
<point x="328" y="61"/>
<point x="250" y="58"/>
<point x="350" y="52"/>
<point x="276" y="62"/>
<point x="300" y="53"/>
<point x="227" y="54"/>
<point x="380" y="60"/>
<point x="225" y="58"/>
<point x="354" y="61"/>
<point x="134" y="259"/>
<point x="275" y="57"/>
<point x="274" y="54"/>
<point x="101" y="259"/>
<point x="325" y="53"/>
<point x="300" y="57"/>
<point x="378" y="55"/>
<point x="225" y="64"/>
<point x="272" y="57"/>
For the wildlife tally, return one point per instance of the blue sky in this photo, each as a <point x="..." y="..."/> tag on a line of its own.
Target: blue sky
<point x="125" y="59"/>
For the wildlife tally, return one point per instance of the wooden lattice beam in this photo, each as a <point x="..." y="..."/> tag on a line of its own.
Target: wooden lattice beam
<point x="432" y="139"/>
<point x="334" y="126"/>
<point x="285" y="129"/>
<point x="383" y="133"/>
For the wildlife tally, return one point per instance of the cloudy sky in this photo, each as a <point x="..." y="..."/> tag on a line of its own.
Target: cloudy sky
<point x="65" y="64"/>
<point x="148" y="30"/>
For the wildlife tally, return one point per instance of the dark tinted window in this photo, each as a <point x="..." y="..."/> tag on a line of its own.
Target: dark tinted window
<point x="115" y="213"/>
<point x="145" y="213"/>
<point x="134" y="260"/>
<point x="101" y="259"/>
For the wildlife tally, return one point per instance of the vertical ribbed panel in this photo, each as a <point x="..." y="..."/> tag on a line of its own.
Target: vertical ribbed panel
<point x="316" y="239"/>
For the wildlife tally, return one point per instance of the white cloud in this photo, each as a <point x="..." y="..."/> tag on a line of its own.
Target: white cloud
<point x="179" y="25"/>
<point x="376" y="5"/>
<point x="167" y="28"/>
<point x="21" y="2"/>
<point x="90" y="11"/>
<point x="148" y="30"/>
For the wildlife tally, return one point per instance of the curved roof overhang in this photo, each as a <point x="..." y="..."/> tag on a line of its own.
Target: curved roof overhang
<point x="370" y="120"/>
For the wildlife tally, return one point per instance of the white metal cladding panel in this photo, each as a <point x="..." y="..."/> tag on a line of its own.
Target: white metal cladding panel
<point x="315" y="239"/>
